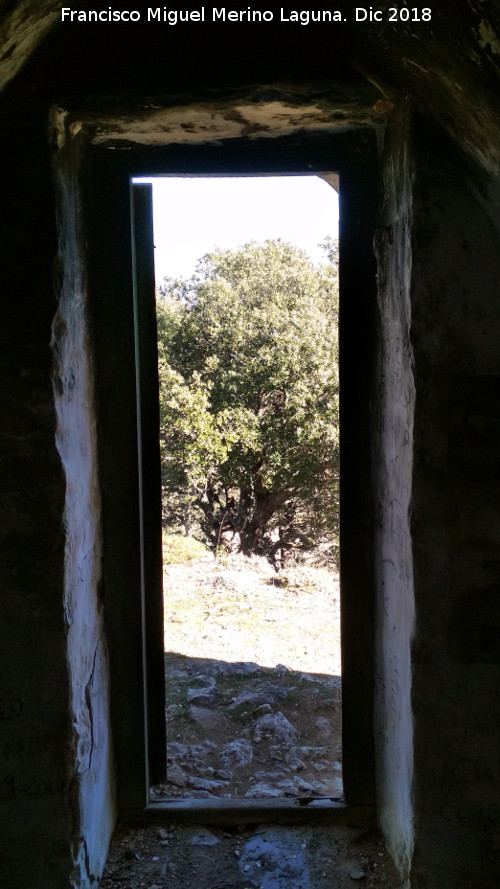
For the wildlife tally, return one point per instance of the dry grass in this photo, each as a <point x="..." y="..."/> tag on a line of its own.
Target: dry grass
<point x="239" y="609"/>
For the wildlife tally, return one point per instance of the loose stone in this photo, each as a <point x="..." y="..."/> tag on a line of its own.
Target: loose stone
<point x="237" y="753"/>
<point x="274" y="727"/>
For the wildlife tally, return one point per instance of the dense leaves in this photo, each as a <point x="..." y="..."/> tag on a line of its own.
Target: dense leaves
<point x="249" y="398"/>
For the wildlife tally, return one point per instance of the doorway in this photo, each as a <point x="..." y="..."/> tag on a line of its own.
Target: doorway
<point x="257" y="712"/>
<point x="136" y="651"/>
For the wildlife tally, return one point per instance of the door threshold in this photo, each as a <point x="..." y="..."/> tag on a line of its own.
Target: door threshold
<point x="227" y="812"/>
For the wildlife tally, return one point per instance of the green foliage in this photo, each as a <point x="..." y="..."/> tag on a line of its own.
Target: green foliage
<point x="249" y="397"/>
<point x="178" y="549"/>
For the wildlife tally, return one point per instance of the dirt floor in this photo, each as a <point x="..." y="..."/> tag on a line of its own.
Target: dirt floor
<point x="259" y="857"/>
<point x="253" y="672"/>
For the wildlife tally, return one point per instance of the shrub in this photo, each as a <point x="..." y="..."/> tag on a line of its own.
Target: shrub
<point x="178" y="548"/>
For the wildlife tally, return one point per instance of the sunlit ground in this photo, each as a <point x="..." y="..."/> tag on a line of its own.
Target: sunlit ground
<point x="237" y="612"/>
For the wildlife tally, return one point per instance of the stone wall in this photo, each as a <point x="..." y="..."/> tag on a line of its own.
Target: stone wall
<point x="56" y="804"/>
<point x="455" y="525"/>
<point x="35" y="763"/>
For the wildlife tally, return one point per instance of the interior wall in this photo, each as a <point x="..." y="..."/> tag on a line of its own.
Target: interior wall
<point x="51" y="695"/>
<point x="92" y="789"/>
<point x="35" y="762"/>
<point x="393" y="406"/>
<point x="455" y="525"/>
<point x="56" y="806"/>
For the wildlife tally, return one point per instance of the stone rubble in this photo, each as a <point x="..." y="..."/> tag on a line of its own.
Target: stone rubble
<point x="262" y="753"/>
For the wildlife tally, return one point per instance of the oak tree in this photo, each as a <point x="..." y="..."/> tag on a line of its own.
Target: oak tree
<point x="248" y="362"/>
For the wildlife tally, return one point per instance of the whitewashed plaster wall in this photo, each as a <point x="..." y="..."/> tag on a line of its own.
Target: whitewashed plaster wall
<point x="394" y="401"/>
<point x="92" y="788"/>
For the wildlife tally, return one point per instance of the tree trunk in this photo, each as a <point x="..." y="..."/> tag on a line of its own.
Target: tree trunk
<point x="266" y="504"/>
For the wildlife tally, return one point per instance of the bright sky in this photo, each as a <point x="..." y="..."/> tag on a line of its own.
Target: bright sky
<point x="194" y="215"/>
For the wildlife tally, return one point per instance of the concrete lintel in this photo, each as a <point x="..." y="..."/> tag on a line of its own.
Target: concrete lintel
<point x="195" y="121"/>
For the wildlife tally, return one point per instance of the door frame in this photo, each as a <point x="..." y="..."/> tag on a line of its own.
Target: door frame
<point x="135" y="642"/>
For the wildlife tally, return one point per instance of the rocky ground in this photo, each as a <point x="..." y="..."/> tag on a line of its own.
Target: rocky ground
<point x="238" y="730"/>
<point x="252" y="671"/>
<point x="257" y="728"/>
